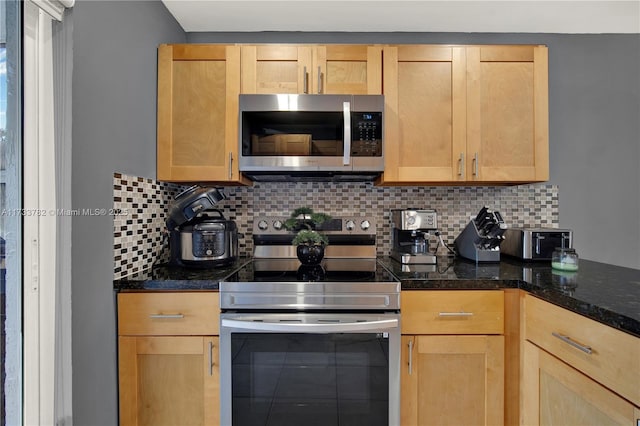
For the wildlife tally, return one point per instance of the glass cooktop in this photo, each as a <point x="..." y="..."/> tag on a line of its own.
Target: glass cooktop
<point x="329" y="270"/>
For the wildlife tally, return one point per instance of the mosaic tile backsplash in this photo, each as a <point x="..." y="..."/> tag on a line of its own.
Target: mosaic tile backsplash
<point x="138" y="237"/>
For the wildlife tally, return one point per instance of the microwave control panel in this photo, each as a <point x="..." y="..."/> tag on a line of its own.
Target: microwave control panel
<point x="366" y="134"/>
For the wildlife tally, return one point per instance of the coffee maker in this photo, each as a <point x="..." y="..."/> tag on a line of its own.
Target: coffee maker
<point x="410" y="231"/>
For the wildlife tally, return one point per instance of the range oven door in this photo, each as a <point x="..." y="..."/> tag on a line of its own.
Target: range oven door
<point x="310" y="368"/>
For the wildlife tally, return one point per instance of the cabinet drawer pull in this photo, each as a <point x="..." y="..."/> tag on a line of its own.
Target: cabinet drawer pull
<point x="455" y="314"/>
<point x="319" y="80"/>
<point x="568" y="340"/>
<point x="165" y="316"/>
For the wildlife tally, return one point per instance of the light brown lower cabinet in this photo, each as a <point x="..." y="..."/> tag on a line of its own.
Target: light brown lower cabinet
<point x="452" y="380"/>
<point x="452" y="362"/>
<point x="168" y="367"/>
<point x="169" y="380"/>
<point x="557" y="394"/>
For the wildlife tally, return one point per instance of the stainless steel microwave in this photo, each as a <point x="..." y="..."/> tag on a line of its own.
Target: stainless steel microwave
<point x="291" y="136"/>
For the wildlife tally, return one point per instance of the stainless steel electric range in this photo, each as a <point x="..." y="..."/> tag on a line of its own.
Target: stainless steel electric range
<point x="311" y="345"/>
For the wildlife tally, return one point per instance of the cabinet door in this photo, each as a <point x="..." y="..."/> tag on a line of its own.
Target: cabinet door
<point x="269" y="69"/>
<point x="452" y="380"/>
<point x="554" y="393"/>
<point x="425" y="107"/>
<point x="198" y="87"/>
<point x="169" y="381"/>
<point x="507" y="114"/>
<point x="344" y="69"/>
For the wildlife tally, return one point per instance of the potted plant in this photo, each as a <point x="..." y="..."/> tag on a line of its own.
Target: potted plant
<point x="310" y="243"/>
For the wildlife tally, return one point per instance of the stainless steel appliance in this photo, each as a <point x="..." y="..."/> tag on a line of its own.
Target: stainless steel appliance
<point x="311" y="137"/>
<point x="480" y="240"/>
<point x="349" y="237"/>
<point x="535" y="243"/>
<point x="410" y="228"/>
<point x="310" y="344"/>
<point x="200" y="235"/>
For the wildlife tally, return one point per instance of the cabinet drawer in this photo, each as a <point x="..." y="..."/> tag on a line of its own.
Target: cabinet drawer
<point x="614" y="358"/>
<point x="452" y="312"/>
<point x="171" y="314"/>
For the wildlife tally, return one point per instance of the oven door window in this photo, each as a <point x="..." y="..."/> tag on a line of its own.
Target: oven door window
<point x="310" y="379"/>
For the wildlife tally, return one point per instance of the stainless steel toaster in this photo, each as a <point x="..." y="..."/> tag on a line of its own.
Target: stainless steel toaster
<point x="535" y="243"/>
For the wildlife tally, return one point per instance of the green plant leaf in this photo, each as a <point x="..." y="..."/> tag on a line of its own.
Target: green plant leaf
<point x="304" y="217"/>
<point x="310" y="238"/>
<point x="301" y="211"/>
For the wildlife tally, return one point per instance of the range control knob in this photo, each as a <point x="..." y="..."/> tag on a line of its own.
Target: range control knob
<point x="277" y="225"/>
<point x="263" y="225"/>
<point x="350" y="225"/>
<point x="365" y="224"/>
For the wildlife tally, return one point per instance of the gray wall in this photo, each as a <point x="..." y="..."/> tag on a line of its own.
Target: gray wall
<point x="114" y="129"/>
<point x="594" y="135"/>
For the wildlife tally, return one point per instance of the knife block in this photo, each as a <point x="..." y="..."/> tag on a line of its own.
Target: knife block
<point x="471" y="245"/>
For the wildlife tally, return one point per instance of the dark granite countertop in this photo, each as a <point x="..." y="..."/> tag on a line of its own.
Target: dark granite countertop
<point x="606" y="293"/>
<point x="176" y="278"/>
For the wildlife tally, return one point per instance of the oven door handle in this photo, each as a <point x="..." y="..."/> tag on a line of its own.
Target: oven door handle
<point x="319" y="327"/>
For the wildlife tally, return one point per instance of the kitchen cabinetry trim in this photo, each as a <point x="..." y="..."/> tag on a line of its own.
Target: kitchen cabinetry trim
<point x="541" y="112"/>
<point x="232" y="107"/>
<point x="198" y="52"/>
<point x="127" y="380"/>
<point x="165" y="94"/>
<point x="374" y="70"/>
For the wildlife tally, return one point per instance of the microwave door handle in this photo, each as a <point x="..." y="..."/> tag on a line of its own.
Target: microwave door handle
<point x="346" y="108"/>
<point x="320" y="327"/>
<point x="538" y="239"/>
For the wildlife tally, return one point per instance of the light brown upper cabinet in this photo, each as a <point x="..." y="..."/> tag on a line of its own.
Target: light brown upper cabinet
<point x="425" y="132"/>
<point x="198" y="88"/>
<point x="507" y="114"/>
<point x="330" y="69"/>
<point x="462" y="114"/>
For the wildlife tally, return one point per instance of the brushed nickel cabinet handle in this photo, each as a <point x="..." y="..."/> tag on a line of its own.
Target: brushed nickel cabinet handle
<point x="230" y="165"/>
<point x="210" y="358"/>
<point x="475" y="164"/>
<point x="410" y="356"/>
<point x="455" y="314"/>
<point x="461" y="165"/>
<point x="166" y="316"/>
<point x="306" y="80"/>
<point x="568" y="340"/>
<point x="319" y="80"/>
